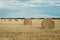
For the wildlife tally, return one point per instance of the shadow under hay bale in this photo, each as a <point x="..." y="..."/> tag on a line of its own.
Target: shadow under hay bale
<point x="27" y="21"/>
<point x="48" y="23"/>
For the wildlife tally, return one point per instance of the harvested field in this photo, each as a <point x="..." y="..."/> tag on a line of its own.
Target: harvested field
<point x="15" y="30"/>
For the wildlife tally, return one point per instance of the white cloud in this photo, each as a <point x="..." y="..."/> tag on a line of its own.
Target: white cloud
<point x="32" y="3"/>
<point x="39" y="0"/>
<point x="25" y="15"/>
<point x="57" y="3"/>
<point x="51" y="3"/>
<point x="54" y="3"/>
<point x="1" y="4"/>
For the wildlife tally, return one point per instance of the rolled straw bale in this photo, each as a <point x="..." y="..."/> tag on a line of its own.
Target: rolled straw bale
<point x="27" y="21"/>
<point x="48" y="23"/>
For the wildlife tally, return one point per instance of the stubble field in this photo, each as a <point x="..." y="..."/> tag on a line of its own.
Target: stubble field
<point x="16" y="30"/>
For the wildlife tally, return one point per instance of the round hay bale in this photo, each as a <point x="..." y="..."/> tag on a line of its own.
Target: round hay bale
<point x="27" y="21"/>
<point x="16" y="19"/>
<point x="10" y="19"/>
<point x="48" y="23"/>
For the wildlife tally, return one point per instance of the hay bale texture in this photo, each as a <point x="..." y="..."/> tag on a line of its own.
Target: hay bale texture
<point x="10" y="19"/>
<point x="16" y="19"/>
<point x="48" y="23"/>
<point x="27" y="21"/>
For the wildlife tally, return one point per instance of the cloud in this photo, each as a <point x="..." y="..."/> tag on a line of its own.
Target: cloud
<point x="31" y="8"/>
<point x="1" y="4"/>
<point x="54" y="3"/>
<point x="30" y="3"/>
<point x="30" y="15"/>
<point x="25" y="15"/>
<point x="57" y="3"/>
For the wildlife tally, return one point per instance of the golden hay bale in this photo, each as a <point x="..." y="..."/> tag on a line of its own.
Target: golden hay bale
<point x="48" y="23"/>
<point x="27" y="21"/>
<point x="16" y="19"/>
<point x="10" y="19"/>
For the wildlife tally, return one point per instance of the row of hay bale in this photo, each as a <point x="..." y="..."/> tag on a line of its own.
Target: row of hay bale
<point x="8" y="19"/>
<point x="46" y="23"/>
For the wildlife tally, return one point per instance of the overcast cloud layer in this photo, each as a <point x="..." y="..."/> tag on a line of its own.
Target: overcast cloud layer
<point x="29" y="8"/>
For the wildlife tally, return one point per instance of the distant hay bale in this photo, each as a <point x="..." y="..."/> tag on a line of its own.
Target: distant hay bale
<point x="27" y="21"/>
<point x="48" y="23"/>
<point x="16" y="19"/>
<point x="10" y="19"/>
<point x="2" y="19"/>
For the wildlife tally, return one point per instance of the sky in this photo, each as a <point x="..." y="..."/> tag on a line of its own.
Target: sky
<point x="29" y="8"/>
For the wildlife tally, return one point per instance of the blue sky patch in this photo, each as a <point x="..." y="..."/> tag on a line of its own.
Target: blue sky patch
<point x="29" y="8"/>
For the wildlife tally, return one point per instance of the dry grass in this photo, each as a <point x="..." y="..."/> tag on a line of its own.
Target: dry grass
<point x="15" y="30"/>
